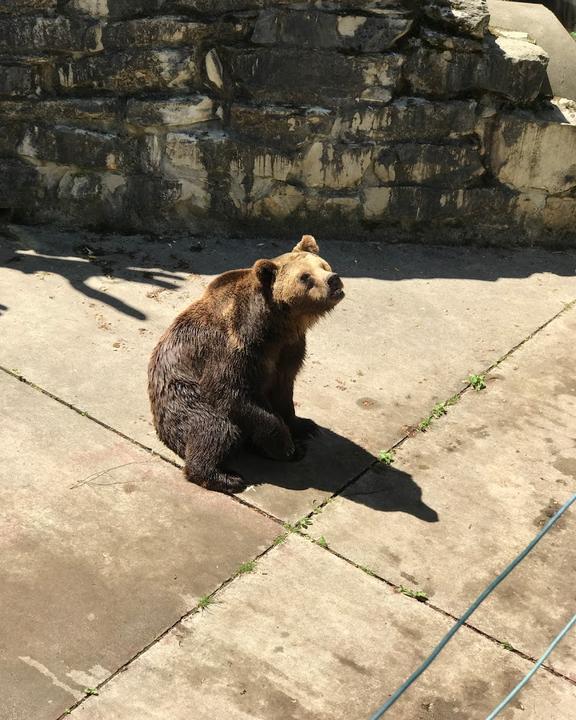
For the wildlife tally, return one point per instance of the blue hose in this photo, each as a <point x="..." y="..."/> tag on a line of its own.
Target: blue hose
<point x="566" y="629"/>
<point x="479" y="600"/>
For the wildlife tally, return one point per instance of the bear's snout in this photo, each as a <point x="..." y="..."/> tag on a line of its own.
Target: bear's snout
<point x="335" y="284"/>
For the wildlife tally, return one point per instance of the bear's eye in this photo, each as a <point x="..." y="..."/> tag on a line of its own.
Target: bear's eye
<point x="305" y="278"/>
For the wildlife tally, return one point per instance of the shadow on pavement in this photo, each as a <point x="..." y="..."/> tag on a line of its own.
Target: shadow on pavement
<point x="333" y="462"/>
<point x="160" y="261"/>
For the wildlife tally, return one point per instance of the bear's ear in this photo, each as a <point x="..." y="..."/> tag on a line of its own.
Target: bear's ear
<point x="307" y="244"/>
<point x="265" y="271"/>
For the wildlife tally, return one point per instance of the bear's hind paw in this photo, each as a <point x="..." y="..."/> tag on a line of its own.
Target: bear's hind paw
<point x="304" y="428"/>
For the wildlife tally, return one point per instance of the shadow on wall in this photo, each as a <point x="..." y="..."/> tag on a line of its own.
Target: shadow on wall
<point x="162" y="262"/>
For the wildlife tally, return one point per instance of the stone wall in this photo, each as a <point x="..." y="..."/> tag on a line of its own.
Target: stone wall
<point x="390" y="119"/>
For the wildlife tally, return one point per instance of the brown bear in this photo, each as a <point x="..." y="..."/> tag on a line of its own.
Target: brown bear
<point x="223" y="373"/>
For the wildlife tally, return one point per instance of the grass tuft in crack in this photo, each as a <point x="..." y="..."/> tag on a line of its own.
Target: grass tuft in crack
<point x="246" y="567"/>
<point x="91" y="691"/>
<point x="367" y="570"/>
<point x="386" y="457"/>
<point x="322" y="541"/>
<point x="419" y="595"/>
<point x="506" y="645"/>
<point x="478" y="382"/>
<point x="205" y="601"/>
<point x="438" y="411"/>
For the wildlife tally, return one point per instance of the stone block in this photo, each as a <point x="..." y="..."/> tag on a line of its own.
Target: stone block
<point x="10" y="7"/>
<point x="302" y="77"/>
<point x="510" y="67"/>
<point x="119" y="9"/>
<point x="275" y="166"/>
<point x="92" y="8"/>
<point x="17" y="183"/>
<point x="448" y="166"/>
<point x="408" y="119"/>
<point x="192" y="158"/>
<point x="442" y="73"/>
<point x="168" y="31"/>
<point x="412" y="206"/>
<point x="279" y="202"/>
<point x="212" y="7"/>
<point x="180" y="111"/>
<point x="130" y="71"/>
<point x="514" y="68"/>
<point x="80" y="148"/>
<point x="468" y="17"/>
<point x="279" y="126"/>
<point x="336" y="167"/>
<point x="559" y="214"/>
<point x="526" y="152"/>
<point x="85" y="111"/>
<point x="18" y="80"/>
<point x="443" y="41"/>
<point x="47" y="34"/>
<point x="318" y="30"/>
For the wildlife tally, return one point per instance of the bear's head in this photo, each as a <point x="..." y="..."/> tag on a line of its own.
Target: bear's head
<point x="301" y="280"/>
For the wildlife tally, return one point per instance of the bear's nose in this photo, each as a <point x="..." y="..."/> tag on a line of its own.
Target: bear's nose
<point x="334" y="282"/>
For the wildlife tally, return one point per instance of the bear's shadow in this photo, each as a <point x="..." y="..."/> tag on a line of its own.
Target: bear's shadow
<point x="334" y="464"/>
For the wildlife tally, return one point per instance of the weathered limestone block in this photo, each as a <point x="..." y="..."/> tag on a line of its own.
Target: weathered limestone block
<point x="10" y="138"/>
<point x="275" y="166"/>
<point x="280" y="126"/>
<point x="119" y="9"/>
<point x="315" y="29"/>
<point x="80" y="147"/>
<point x="188" y="158"/>
<point x="559" y="214"/>
<point x="92" y="8"/>
<point x="449" y="166"/>
<point x="469" y="17"/>
<point x="85" y="111"/>
<point x="10" y="7"/>
<point x="413" y="205"/>
<point x="442" y="74"/>
<point x="149" y="199"/>
<point x="169" y="31"/>
<point x="188" y="110"/>
<point x="336" y="167"/>
<point x="513" y="68"/>
<point x="42" y="34"/>
<point x="18" y="80"/>
<point x="408" y="119"/>
<point x="303" y="76"/>
<point x="17" y="183"/>
<point x="214" y="7"/>
<point x="76" y="186"/>
<point x="276" y="201"/>
<point x="131" y="71"/>
<point x="443" y="41"/>
<point x="529" y="153"/>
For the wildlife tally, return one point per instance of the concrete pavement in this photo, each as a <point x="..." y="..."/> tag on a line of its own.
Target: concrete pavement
<point x="104" y="546"/>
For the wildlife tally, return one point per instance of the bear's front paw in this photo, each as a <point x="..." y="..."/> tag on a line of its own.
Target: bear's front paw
<point x="304" y="428"/>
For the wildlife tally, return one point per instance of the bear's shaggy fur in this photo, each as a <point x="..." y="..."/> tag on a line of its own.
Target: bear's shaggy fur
<point x="223" y="373"/>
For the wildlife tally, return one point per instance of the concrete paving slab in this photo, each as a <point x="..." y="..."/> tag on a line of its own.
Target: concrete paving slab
<point x="308" y="636"/>
<point x="102" y="547"/>
<point x="493" y="471"/>
<point x="84" y="312"/>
